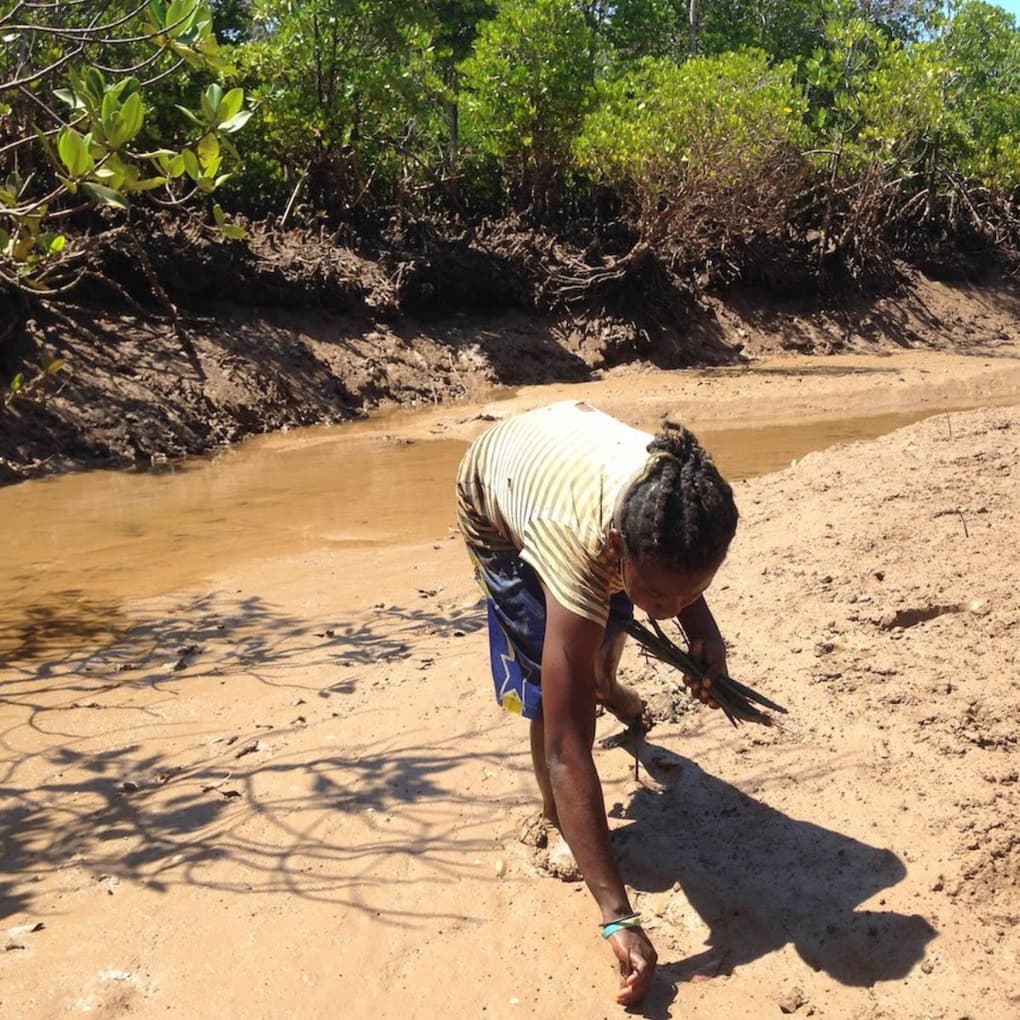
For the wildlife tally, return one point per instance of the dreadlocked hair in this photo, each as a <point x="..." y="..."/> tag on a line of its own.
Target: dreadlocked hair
<point x="680" y="511"/>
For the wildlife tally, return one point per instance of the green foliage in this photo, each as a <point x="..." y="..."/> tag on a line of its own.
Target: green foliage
<point x="848" y="80"/>
<point x="471" y="106"/>
<point x="915" y="133"/>
<point x="184" y="29"/>
<point x="948" y="105"/>
<point x="527" y="86"/>
<point x="92" y="150"/>
<point x="368" y="104"/>
<point x="713" y="124"/>
<point x="980" y="54"/>
<point x="34" y="384"/>
<point x="24" y="243"/>
<point x="359" y="102"/>
<point x="347" y="93"/>
<point x="647" y="28"/>
<point x="785" y="29"/>
<point x="233" y="20"/>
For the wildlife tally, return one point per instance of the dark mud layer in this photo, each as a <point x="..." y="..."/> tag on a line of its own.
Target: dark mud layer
<point x="281" y="333"/>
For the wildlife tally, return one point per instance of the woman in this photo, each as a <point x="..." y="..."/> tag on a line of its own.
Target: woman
<point x="573" y="518"/>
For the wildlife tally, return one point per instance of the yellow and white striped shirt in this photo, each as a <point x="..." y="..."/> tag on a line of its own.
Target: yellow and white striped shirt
<point x="545" y="483"/>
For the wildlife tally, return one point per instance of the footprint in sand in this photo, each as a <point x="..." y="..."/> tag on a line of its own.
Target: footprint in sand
<point x="557" y="861"/>
<point x="550" y="853"/>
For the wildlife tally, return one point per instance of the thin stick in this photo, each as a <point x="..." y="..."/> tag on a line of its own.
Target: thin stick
<point x="963" y="521"/>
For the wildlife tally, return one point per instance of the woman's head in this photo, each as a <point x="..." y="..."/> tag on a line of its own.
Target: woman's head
<point x="675" y="524"/>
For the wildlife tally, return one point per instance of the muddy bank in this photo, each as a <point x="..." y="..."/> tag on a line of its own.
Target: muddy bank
<point x="301" y="759"/>
<point x="348" y="338"/>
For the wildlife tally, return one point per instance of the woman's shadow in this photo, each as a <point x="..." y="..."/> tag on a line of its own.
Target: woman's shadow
<point x="760" y="879"/>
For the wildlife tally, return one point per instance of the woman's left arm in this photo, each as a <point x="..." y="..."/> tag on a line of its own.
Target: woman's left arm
<point x="706" y="645"/>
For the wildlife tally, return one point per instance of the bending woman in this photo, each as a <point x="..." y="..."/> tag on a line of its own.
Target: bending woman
<point x="572" y="518"/>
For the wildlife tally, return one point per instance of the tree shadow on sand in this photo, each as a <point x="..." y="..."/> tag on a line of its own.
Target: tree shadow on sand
<point x="103" y="777"/>
<point x="760" y="879"/>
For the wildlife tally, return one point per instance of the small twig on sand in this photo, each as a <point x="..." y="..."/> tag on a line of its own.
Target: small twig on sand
<point x="963" y="521"/>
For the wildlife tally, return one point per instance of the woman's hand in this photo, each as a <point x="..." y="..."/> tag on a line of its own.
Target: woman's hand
<point x="637" y="958"/>
<point x="712" y="653"/>
<point x="706" y="646"/>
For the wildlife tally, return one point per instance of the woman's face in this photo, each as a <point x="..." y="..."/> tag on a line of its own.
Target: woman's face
<point x="662" y="593"/>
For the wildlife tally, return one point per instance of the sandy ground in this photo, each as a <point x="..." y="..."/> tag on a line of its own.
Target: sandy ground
<point x="289" y="793"/>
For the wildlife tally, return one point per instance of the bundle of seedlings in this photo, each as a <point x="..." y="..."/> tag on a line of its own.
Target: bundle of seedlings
<point x="737" y="700"/>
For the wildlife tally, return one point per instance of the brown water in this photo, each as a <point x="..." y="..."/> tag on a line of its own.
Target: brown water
<point x="75" y="548"/>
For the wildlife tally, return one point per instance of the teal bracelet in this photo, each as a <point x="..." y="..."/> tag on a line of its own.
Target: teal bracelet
<point x="630" y="921"/>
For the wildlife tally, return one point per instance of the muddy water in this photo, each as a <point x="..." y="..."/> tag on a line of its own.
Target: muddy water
<point x="75" y="548"/>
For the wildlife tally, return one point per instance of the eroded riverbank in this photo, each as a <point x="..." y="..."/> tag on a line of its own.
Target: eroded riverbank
<point x="129" y="396"/>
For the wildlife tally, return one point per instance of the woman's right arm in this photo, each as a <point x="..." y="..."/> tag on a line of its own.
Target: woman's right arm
<point x="568" y="704"/>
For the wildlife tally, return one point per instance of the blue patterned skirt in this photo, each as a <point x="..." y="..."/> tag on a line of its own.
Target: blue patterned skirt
<point x="515" y="602"/>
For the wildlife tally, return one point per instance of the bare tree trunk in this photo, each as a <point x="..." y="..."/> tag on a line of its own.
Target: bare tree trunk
<point x="452" y="111"/>
<point x="183" y="336"/>
<point x="692" y="27"/>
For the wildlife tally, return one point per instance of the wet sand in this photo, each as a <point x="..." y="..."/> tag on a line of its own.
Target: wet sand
<point x="283" y="788"/>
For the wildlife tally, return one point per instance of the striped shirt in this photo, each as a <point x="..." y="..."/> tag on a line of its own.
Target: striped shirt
<point x="545" y="484"/>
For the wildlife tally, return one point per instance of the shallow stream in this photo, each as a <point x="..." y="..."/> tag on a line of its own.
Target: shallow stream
<point x="74" y="548"/>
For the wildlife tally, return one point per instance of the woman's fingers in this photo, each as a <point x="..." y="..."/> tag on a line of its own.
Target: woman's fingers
<point x="637" y="966"/>
<point x="701" y="687"/>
